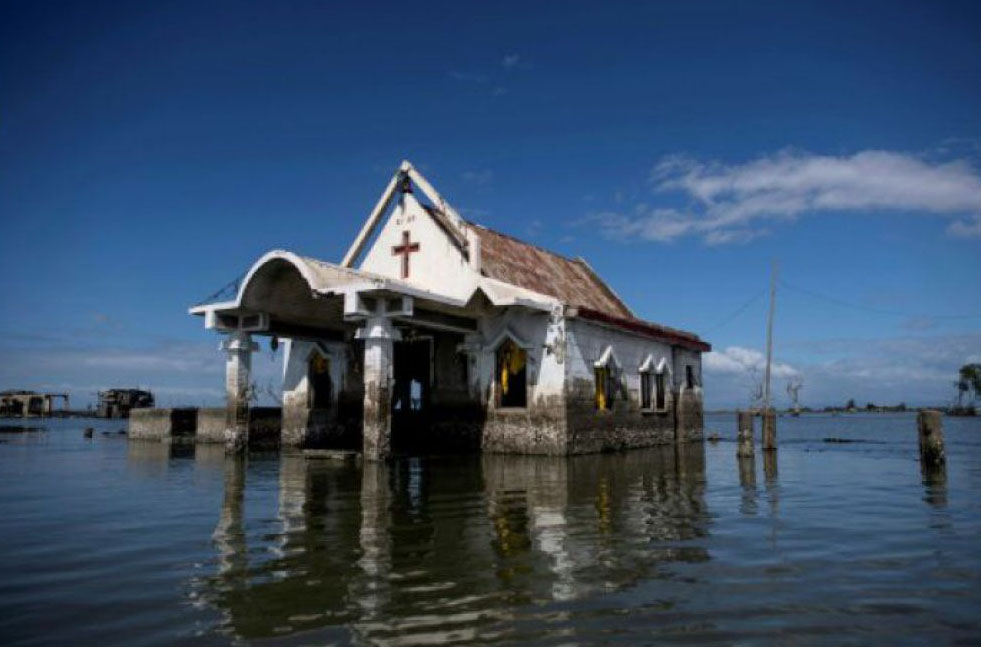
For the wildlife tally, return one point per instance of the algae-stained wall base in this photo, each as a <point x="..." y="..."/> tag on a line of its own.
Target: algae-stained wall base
<point x="539" y="429"/>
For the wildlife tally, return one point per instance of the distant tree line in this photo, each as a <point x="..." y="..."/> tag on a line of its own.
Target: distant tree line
<point x="968" y="385"/>
<point x="851" y="407"/>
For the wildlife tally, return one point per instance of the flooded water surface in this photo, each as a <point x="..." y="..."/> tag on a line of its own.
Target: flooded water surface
<point x="125" y="543"/>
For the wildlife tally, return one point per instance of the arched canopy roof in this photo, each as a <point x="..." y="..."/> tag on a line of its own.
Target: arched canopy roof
<point x="282" y="279"/>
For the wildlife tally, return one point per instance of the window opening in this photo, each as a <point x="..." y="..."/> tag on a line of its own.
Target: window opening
<point x="512" y="374"/>
<point x="660" y="399"/>
<point x="645" y="390"/>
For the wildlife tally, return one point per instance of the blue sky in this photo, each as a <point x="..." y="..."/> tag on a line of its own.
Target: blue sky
<point x="150" y="152"/>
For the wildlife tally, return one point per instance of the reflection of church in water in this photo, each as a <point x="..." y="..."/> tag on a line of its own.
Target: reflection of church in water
<point x="447" y="548"/>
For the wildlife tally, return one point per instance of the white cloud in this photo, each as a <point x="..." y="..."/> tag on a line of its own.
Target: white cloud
<point x="734" y="202"/>
<point x="510" y="60"/>
<point x="737" y="360"/>
<point x="966" y="228"/>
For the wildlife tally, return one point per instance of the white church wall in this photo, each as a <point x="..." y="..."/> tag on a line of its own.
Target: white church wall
<point x="624" y="424"/>
<point x="539" y="427"/>
<point x="682" y="358"/>
<point x="296" y="385"/>
<point x="588" y="342"/>
<point x="690" y="411"/>
<point x="535" y="329"/>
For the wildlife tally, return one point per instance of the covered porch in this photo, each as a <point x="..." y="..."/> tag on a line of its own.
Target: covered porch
<point x="372" y="363"/>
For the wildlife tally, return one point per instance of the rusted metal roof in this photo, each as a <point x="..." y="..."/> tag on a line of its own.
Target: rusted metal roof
<point x="572" y="282"/>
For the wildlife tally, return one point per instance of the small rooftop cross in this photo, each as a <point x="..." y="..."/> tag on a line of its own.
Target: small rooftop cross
<point x="404" y="250"/>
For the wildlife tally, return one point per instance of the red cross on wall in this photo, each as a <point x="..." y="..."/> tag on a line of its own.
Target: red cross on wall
<point x="404" y="250"/>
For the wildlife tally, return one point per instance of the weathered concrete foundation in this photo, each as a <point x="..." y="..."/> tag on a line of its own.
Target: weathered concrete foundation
<point x="690" y="423"/>
<point x="162" y="424"/>
<point x="205" y="426"/>
<point x="539" y="429"/>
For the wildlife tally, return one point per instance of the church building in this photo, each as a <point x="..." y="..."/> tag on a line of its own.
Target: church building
<point x="435" y="334"/>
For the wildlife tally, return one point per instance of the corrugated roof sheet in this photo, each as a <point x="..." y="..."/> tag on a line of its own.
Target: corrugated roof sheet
<point x="570" y="281"/>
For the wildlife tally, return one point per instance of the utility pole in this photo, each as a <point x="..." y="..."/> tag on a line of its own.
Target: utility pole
<point x="769" y="337"/>
<point x="769" y="416"/>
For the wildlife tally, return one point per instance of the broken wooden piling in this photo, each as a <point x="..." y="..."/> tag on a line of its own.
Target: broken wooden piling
<point x="930" y="426"/>
<point x="769" y="430"/>
<point x="744" y="425"/>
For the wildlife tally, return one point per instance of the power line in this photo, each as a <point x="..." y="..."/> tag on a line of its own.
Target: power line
<point x="857" y="306"/>
<point x="227" y="291"/>
<point x="737" y="312"/>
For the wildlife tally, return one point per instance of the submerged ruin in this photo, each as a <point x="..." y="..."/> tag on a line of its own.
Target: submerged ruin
<point x="31" y="404"/>
<point x="438" y="334"/>
<point x="118" y="403"/>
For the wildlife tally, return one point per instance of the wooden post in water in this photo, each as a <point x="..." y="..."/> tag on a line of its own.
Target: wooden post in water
<point x="769" y="416"/>
<point x="769" y="430"/>
<point x="744" y="422"/>
<point x="930" y="426"/>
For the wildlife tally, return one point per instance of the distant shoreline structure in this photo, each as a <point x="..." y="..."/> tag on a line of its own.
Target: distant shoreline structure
<point x="945" y="409"/>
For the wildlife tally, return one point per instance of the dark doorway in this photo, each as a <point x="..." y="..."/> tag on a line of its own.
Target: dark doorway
<point x="320" y="398"/>
<point x="411" y="394"/>
<point x="321" y="389"/>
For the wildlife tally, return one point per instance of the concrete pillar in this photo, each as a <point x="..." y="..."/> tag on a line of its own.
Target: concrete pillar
<point x="379" y="336"/>
<point x="931" y="432"/>
<point x="769" y="430"/>
<point x="239" y="347"/>
<point x="744" y="425"/>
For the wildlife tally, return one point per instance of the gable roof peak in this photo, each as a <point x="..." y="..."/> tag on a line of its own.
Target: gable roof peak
<point x="402" y="180"/>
